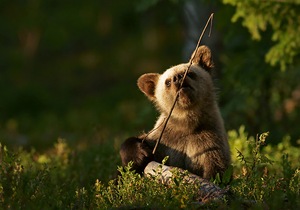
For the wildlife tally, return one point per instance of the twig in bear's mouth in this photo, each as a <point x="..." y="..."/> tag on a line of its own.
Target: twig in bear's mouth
<point x="210" y="19"/>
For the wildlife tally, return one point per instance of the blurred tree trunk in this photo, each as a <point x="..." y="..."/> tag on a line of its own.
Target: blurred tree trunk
<point x="195" y="16"/>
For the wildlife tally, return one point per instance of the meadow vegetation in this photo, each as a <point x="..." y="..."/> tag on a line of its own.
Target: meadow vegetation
<point x="65" y="177"/>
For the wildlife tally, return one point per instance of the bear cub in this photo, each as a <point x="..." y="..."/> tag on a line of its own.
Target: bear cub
<point x="195" y="137"/>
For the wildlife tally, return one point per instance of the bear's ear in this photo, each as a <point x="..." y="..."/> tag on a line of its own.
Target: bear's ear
<point x="147" y="84"/>
<point x="202" y="58"/>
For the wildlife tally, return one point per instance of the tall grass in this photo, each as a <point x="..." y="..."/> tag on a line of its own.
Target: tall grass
<point x="264" y="176"/>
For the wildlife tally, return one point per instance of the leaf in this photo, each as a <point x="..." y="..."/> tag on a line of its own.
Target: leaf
<point x="227" y="176"/>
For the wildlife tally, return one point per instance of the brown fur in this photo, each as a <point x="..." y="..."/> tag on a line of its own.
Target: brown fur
<point x="195" y="138"/>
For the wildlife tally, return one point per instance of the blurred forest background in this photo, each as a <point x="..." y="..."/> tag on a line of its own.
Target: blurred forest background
<point x="69" y="68"/>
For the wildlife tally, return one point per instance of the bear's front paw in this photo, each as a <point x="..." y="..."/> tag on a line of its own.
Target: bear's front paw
<point x="133" y="149"/>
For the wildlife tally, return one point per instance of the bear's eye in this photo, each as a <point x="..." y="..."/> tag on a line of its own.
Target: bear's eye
<point x="168" y="82"/>
<point x="191" y="75"/>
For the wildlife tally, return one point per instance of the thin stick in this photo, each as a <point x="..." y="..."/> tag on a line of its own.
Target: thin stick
<point x="184" y="76"/>
<point x="154" y="129"/>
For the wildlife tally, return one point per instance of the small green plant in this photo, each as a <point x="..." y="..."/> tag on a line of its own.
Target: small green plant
<point x="252" y="180"/>
<point x="130" y="190"/>
<point x="255" y="179"/>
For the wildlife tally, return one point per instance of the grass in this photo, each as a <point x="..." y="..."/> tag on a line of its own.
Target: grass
<point x="77" y="177"/>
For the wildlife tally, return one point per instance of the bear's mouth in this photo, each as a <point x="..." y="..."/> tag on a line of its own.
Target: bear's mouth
<point x="186" y="86"/>
<point x="186" y="94"/>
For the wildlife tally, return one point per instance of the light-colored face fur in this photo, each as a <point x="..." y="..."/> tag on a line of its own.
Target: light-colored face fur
<point x="196" y="92"/>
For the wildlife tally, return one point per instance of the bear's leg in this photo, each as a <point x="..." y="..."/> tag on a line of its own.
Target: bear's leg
<point x="133" y="149"/>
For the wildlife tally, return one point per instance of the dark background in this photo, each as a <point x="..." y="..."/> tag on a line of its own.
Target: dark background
<point x="69" y="69"/>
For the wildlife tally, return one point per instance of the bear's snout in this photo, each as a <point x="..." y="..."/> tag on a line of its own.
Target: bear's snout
<point x="177" y="79"/>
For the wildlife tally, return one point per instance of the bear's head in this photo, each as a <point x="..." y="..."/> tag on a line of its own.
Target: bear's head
<point x="197" y="89"/>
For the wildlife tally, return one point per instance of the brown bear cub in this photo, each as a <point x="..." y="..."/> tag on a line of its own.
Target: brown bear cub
<point x="195" y="137"/>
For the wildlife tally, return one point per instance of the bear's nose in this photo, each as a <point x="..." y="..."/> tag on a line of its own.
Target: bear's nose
<point x="177" y="78"/>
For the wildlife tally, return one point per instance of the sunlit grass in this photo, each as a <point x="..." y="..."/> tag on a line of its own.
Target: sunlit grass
<point x="85" y="177"/>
